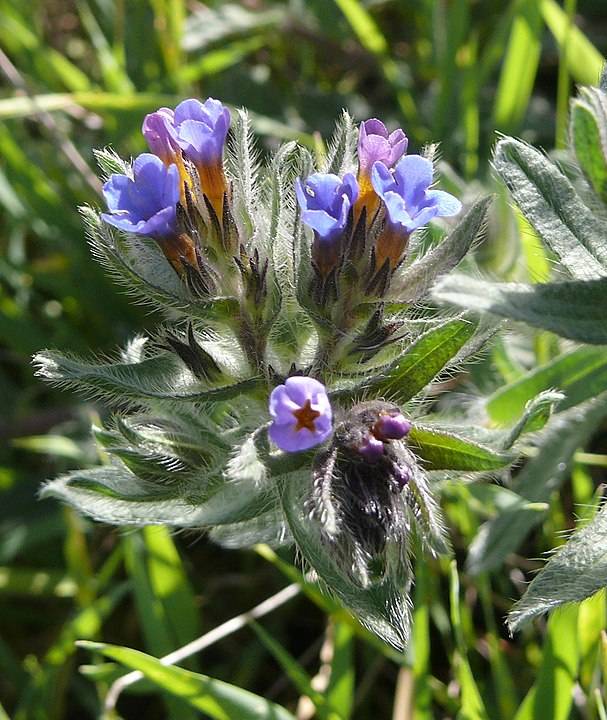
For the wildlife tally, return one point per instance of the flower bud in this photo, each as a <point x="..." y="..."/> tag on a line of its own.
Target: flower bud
<point x="391" y="426"/>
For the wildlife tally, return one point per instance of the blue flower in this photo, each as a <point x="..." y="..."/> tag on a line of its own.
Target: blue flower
<point x="409" y="202"/>
<point x="146" y="204"/>
<point x="201" y="130"/>
<point x="325" y="201"/>
<point x="301" y="414"/>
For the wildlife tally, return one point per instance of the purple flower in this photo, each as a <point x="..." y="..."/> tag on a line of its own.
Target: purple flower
<point x="325" y="201"/>
<point x="301" y="414"/>
<point x="159" y="132"/>
<point x="145" y="205"/>
<point x="201" y="130"/>
<point x="391" y="426"/>
<point x="409" y="202"/>
<point x="375" y="144"/>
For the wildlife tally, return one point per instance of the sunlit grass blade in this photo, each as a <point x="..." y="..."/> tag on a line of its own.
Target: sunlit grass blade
<point x="519" y="67"/>
<point x="217" y="699"/>
<point x="552" y="694"/>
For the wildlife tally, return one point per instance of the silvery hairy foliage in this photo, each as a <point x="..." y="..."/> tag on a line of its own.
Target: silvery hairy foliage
<point x="566" y="204"/>
<point x="247" y="307"/>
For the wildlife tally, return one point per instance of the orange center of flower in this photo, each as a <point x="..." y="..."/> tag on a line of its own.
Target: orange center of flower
<point x="305" y="417"/>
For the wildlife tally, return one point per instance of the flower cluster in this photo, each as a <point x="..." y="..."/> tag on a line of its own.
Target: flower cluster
<point x="257" y="402"/>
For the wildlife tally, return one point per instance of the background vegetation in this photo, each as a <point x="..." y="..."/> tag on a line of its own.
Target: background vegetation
<point x="79" y="75"/>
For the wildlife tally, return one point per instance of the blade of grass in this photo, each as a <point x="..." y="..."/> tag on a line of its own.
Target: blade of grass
<point x="551" y="696"/>
<point x="584" y="61"/>
<point x="472" y="706"/>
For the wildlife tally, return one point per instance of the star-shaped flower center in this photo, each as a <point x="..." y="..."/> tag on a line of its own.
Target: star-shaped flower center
<point x="305" y="417"/>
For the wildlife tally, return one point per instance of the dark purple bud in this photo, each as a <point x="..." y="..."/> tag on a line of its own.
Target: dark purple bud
<point x="371" y="448"/>
<point x="400" y="475"/>
<point x="391" y="427"/>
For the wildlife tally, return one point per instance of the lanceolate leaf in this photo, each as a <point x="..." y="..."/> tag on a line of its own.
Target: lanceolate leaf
<point x="575" y="310"/>
<point x="215" y="698"/>
<point x="113" y="495"/>
<point x="383" y="606"/>
<point x="442" y="450"/>
<point x="418" y="278"/>
<point x="573" y="573"/>
<point x="588" y="129"/>
<point x="419" y="364"/>
<point x="162" y="376"/>
<point x="542" y="475"/>
<point x="551" y="204"/>
<point x="580" y="374"/>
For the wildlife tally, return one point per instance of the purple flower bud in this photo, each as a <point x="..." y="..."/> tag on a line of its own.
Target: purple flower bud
<point x="391" y="427"/>
<point x="409" y="202"/>
<point x="301" y="414"/>
<point x="375" y="144"/>
<point x="159" y="132"/>
<point x="325" y="201"/>
<point x="371" y="448"/>
<point x="201" y="130"/>
<point x="400" y="474"/>
<point x="147" y="204"/>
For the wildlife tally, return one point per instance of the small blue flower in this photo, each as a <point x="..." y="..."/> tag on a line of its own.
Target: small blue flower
<point x="325" y="201"/>
<point x="301" y="414"/>
<point x="147" y="204"/>
<point x="201" y="130"/>
<point x="409" y="202"/>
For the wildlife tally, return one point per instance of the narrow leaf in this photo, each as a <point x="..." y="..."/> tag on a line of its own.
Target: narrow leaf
<point x="550" y="203"/>
<point x="575" y="310"/>
<point x="215" y="698"/>
<point x="442" y="450"/>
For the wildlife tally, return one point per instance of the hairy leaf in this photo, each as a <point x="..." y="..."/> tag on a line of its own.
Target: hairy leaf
<point x="588" y="130"/>
<point x="417" y="366"/>
<point x="576" y="571"/>
<point x="575" y="310"/>
<point x="382" y="606"/>
<point x="550" y="203"/>
<point x="441" y="450"/>
<point x="542" y="475"/>
<point x="414" y="282"/>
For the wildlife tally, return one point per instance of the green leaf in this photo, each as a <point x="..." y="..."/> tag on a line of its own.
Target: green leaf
<point x="342" y="149"/>
<point x="217" y="699"/>
<point x="382" y="606"/>
<point x="576" y="571"/>
<point x="418" y="365"/>
<point x="588" y="131"/>
<point x="543" y="474"/>
<point x="114" y="495"/>
<point x="441" y="450"/>
<point x="340" y="691"/>
<point x="414" y="282"/>
<point x="581" y="374"/>
<point x="160" y="377"/>
<point x="550" y="203"/>
<point x="575" y="310"/>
